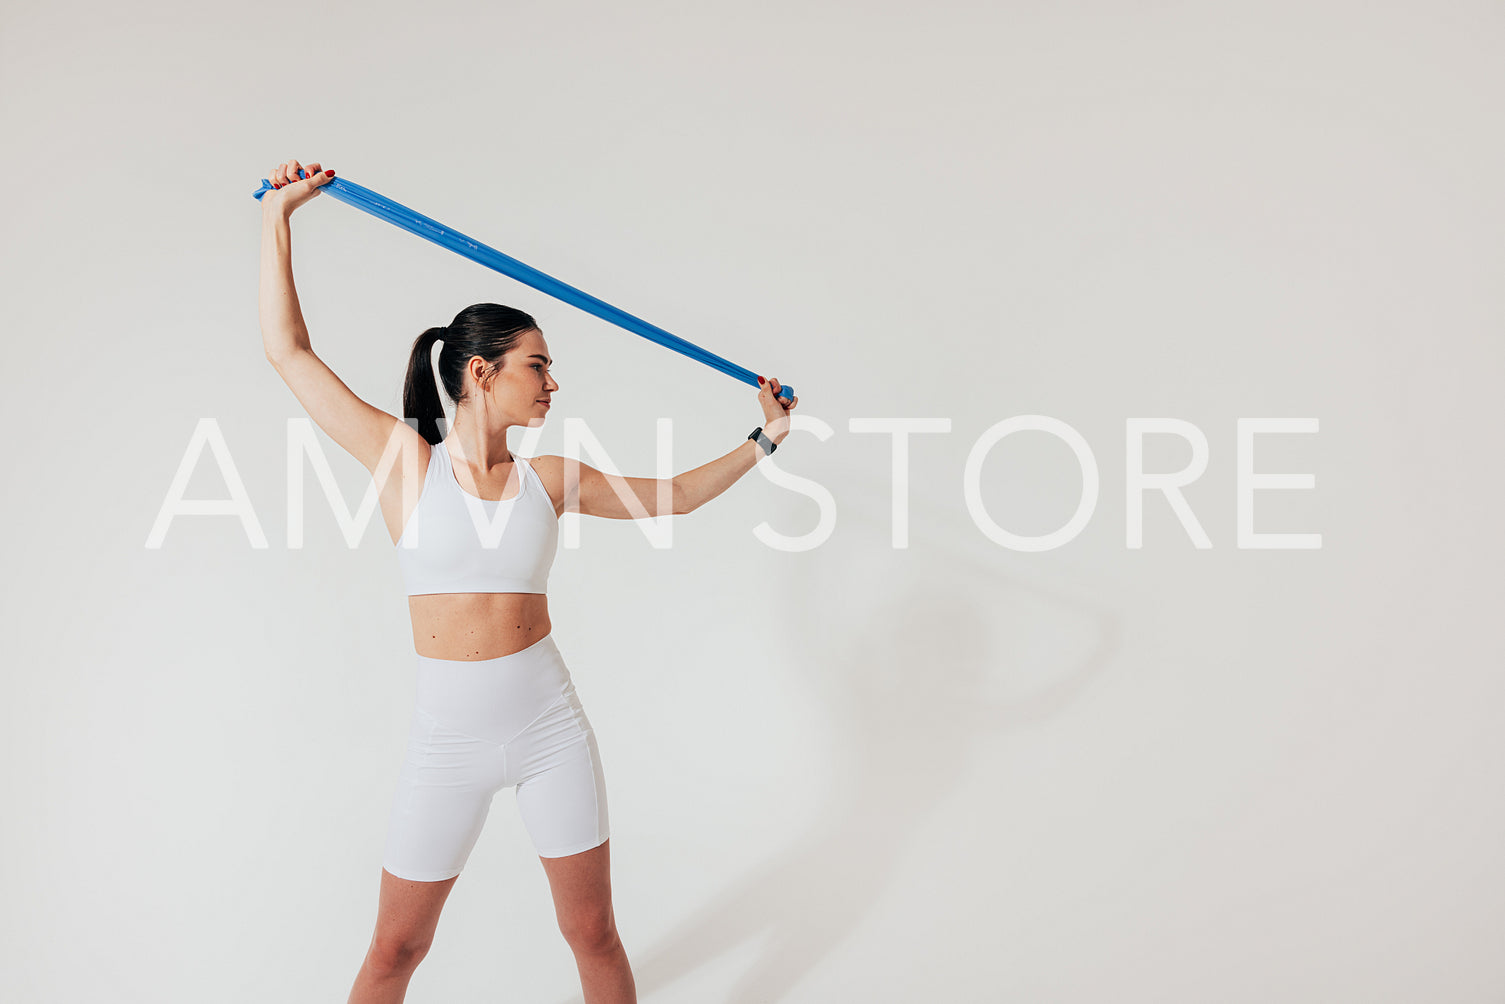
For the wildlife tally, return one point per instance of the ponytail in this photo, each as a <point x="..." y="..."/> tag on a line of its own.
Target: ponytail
<point x="420" y="394"/>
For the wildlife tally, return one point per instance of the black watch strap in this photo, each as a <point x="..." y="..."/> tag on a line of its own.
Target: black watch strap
<point x="768" y="445"/>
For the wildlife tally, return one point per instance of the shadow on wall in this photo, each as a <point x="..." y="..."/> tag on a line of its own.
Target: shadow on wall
<point x="953" y="655"/>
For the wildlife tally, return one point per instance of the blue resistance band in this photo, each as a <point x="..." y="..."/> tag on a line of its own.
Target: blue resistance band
<point x="416" y="223"/>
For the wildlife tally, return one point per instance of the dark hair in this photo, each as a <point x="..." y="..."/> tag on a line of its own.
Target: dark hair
<point x="488" y="330"/>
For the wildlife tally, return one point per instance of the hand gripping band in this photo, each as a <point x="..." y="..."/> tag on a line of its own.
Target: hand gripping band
<point x="431" y="230"/>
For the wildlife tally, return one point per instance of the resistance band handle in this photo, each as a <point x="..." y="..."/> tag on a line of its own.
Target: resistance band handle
<point x="382" y="208"/>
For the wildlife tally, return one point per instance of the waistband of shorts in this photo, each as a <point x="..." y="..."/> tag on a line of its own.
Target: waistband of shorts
<point x="542" y="646"/>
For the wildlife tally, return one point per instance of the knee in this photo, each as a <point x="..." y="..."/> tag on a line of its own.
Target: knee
<point x="390" y="957"/>
<point x="590" y="931"/>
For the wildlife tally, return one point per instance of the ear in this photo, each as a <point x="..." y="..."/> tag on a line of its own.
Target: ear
<point x="481" y="372"/>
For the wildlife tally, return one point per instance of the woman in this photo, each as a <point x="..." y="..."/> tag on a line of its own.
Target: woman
<point x="476" y="530"/>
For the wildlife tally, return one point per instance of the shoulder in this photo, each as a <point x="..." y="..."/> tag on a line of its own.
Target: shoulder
<point x="405" y="455"/>
<point x="409" y="451"/>
<point x="554" y="471"/>
<point x="550" y="471"/>
<point x="547" y="467"/>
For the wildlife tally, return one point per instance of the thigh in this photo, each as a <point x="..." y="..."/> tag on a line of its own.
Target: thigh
<point x="561" y="788"/>
<point x="444" y="793"/>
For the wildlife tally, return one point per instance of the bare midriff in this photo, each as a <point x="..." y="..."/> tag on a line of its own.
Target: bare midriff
<point x="472" y="626"/>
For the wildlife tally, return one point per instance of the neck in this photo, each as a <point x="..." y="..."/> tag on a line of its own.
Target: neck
<point x="478" y="445"/>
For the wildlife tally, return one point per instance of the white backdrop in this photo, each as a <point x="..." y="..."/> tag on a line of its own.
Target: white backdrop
<point x="952" y="771"/>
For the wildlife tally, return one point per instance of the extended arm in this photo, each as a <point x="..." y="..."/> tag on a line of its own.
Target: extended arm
<point x="366" y="432"/>
<point x="592" y="493"/>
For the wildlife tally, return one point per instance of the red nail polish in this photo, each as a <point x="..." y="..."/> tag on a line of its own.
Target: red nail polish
<point x="760" y="381"/>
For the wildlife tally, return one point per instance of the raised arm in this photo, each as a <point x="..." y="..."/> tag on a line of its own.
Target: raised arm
<point x="593" y="493"/>
<point x="364" y="431"/>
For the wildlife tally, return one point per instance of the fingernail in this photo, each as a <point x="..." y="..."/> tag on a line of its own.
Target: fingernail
<point x="760" y="380"/>
<point x="331" y="172"/>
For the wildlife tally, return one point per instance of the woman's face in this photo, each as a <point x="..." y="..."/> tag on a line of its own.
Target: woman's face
<point x="522" y="387"/>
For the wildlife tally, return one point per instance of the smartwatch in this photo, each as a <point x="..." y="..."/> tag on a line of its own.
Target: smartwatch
<point x="767" y="444"/>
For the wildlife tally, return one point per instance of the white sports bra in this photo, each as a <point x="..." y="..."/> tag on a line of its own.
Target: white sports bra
<point x="455" y="542"/>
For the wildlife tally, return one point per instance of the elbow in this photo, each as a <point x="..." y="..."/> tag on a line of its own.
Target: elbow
<point x="279" y="357"/>
<point x="682" y="505"/>
<point x="281" y="344"/>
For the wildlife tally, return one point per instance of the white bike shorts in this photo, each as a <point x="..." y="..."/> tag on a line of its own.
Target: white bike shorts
<point x="482" y="726"/>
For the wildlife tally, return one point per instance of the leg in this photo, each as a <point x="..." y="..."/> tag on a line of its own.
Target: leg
<point x="561" y="796"/>
<point x="405" y="920"/>
<point x="443" y="795"/>
<point x="581" y="884"/>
